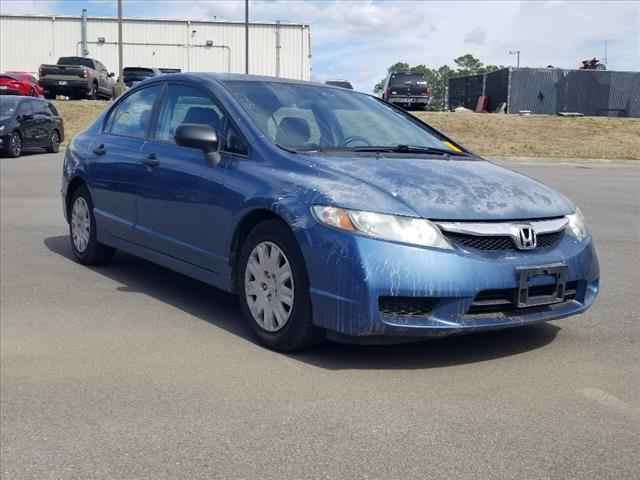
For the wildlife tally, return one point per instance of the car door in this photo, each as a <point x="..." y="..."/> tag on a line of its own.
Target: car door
<point x="43" y="122"/>
<point x="181" y="212"/>
<point x="115" y="166"/>
<point x="27" y="123"/>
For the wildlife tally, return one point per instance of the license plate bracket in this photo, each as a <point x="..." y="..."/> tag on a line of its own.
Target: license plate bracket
<point x="553" y="294"/>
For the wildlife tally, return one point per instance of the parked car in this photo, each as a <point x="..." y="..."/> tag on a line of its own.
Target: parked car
<point x="134" y="75"/>
<point x="324" y="223"/>
<point x="340" y="83"/>
<point x="27" y="123"/>
<point x="407" y="90"/>
<point x="20" y="83"/>
<point x="77" y="77"/>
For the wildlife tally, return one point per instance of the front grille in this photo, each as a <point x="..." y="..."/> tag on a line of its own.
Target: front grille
<point x="406" y="306"/>
<point x="504" y="300"/>
<point x="494" y="243"/>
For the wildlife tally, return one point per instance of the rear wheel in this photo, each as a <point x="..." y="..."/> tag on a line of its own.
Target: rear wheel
<point x="274" y="289"/>
<point x="49" y="95"/>
<point x="54" y="142"/>
<point x="82" y="231"/>
<point x="93" y="92"/>
<point x="14" y="145"/>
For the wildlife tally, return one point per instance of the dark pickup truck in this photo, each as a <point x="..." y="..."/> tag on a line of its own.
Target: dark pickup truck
<point x="407" y="90"/>
<point x="77" y="77"/>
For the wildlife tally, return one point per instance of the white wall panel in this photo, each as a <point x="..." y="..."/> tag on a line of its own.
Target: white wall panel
<point x="28" y="41"/>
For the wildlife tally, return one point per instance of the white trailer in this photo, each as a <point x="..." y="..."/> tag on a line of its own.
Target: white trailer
<point x="275" y="49"/>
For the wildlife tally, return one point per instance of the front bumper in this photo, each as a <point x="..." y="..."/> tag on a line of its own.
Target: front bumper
<point x="350" y="274"/>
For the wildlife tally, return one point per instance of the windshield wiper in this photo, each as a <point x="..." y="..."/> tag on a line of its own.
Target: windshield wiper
<point x="287" y="149"/>
<point x="407" y="149"/>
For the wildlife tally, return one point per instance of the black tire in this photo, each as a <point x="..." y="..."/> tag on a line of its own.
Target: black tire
<point x="93" y="92"/>
<point x="298" y="332"/>
<point x="14" y="145"/>
<point x="54" y="142"/>
<point x="50" y="95"/>
<point x="95" y="252"/>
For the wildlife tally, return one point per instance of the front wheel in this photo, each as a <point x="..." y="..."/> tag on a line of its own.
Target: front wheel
<point x="54" y="142"/>
<point x="274" y="289"/>
<point x="82" y="231"/>
<point x="14" y="145"/>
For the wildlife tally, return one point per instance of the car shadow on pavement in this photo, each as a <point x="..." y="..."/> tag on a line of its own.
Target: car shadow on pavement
<point x="222" y="310"/>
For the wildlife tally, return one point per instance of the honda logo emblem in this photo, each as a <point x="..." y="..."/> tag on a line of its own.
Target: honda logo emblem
<point x="526" y="239"/>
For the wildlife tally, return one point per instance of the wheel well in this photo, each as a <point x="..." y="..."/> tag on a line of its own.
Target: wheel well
<point x="242" y="230"/>
<point x="73" y="186"/>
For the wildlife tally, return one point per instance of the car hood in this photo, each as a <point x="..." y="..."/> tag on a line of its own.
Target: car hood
<point x="441" y="189"/>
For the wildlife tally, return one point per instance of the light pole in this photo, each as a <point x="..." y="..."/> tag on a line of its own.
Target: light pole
<point x="517" y="54"/>
<point x="120" y="62"/>
<point x="246" y="36"/>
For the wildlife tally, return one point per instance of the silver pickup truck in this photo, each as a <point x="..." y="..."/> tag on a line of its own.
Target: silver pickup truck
<point x="77" y="77"/>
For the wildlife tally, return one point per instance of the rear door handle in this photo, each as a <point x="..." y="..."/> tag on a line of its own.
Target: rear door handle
<point x="151" y="160"/>
<point x="100" y="150"/>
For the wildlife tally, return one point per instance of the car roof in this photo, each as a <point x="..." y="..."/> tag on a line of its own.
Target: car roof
<point x="235" y="77"/>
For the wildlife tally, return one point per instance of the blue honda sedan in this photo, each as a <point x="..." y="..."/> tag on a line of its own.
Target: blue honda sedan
<point x="329" y="212"/>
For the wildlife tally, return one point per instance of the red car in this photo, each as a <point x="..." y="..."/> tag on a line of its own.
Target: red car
<point x="20" y="83"/>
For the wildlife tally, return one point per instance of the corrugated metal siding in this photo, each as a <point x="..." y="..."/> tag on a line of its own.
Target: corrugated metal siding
<point x="537" y="90"/>
<point x="27" y="42"/>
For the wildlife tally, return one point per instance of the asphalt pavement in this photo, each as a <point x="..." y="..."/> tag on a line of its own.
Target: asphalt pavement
<point x="132" y="371"/>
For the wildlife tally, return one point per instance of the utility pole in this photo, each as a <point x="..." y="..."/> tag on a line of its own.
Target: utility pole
<point x="606" y="59"/>
<point x="120" y="61"/>
<point x="246" y="36"/>
<point x="517" y="54"/>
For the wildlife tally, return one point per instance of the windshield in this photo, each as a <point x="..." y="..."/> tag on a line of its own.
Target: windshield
<point x="311" y="117"/>
<point x="85" y="62"/>
<point x="8" y="106"/>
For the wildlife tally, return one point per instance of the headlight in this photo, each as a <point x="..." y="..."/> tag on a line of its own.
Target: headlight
<point x="1" y="128"/>
<point x="415" y="231"/>
<point x="577" y="225"/>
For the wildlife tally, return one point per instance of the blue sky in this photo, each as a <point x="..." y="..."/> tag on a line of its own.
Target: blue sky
<point x="359" y="39"/>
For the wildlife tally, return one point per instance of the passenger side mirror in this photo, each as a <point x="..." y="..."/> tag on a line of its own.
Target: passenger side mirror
<point x="202" y="137"/>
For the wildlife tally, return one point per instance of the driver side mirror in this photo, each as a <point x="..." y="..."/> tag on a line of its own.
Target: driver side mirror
<point x="111" y="74"/>
<point x="201" y="137"/>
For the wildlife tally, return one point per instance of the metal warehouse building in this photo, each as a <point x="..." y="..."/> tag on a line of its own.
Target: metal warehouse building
<point x="276" y="49"/>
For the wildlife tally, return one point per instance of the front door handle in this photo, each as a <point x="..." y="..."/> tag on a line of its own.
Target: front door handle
<point x="151" y="160"/>
<point x="100" y="150"/>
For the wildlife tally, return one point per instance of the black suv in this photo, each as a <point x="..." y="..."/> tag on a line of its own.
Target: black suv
<point x="407" y="90"/>
<point x="27" y="122"/>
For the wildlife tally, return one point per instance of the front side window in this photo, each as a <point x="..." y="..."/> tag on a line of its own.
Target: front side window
<point x="310" y="117"/>
<point x="185" y="104"/>
<point x="132" y="116"/>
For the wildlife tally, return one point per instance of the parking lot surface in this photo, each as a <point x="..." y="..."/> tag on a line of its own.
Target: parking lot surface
<point x="134" y="372"/>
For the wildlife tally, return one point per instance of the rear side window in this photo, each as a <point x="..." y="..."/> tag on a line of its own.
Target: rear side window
<point x="52" y="109"/>
<point x="132" y="116"/>
<point x="185" y="104"/>
<point x="41" y="107"/>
